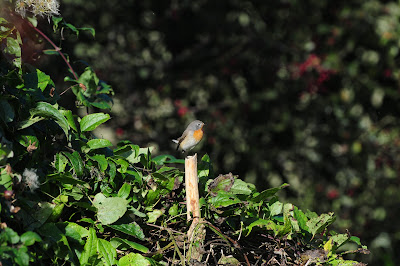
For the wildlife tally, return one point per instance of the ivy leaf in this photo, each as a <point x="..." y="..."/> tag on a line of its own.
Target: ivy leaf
<point x="90" y="122"/>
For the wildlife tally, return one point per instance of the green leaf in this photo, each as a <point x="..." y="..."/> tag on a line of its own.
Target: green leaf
<point x="91" y="30"/>
<point x="90" y="248"/>
<point x="267" y="193"/>
<point x="65" y="178"/>
<point x="355" y="240"/>
<point x="47" y="110"/>
<point x="224" y="199"/>
<point x="339" y="240"/>
<point x="162" y="159"/>
<point x="107" y="252"/>
<point x="60" y="163"/>
<point x="70" y="118"/>
<point x="276" y="208"/>
<point x="318" y="224"/>
<point x="29" y="238"/>
<point x="241" y="187"/>
<point x="117" y="242"/>
<point x="109" y="210"/>
<point x="101" y="160"/>
<point x="124" y="191"/>
<point x="37" y="80"/>
<point x="5" y="179"/>
<point x="267" y="224"/>
<point x="6" y="112"/>
<point x="90" y="122"/>
<point x="9" y="236"/>
<point x="90" y="80"/>
<point x="154" y="215"/>
<point x="132" y="229"/>
<point x="21" y="256"/>
<point x="98" y="143"/>
<point x="76" y="162"/>
<point x="301" y="219"/>
<point x="77" y="232"/>
<point x="133" y="259"/>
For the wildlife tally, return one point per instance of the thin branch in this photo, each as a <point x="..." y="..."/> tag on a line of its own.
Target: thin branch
<point x="58" y="49"/>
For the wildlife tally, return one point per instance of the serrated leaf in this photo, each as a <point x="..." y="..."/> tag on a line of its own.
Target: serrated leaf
<point x="107" y="252"/>
<point x="90" y="122"/>
<point x="318" y="224"/>
<point x="98" y="143"/>
<point x="117" y="242"/>
<point x="109" y="210"/>
<point x="90" y="248"/>
<point x="132" y="229"/>
<point x="76" y="162"/>
<point x="339" y="240"/>
<point x="241" y="187"/>
<point x="47" y="110"/>
<point x="262" y="223"/>
<point x="224" y="199"/>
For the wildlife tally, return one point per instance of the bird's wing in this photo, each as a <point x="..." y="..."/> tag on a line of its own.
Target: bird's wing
<point x="180" y="139"/>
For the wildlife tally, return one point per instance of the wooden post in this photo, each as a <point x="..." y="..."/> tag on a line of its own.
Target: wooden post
<point x="192" y="189"/>
<point x="196" y="232"/>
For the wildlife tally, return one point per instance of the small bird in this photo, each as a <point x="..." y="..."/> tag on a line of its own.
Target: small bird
<point x="190" y="137"/>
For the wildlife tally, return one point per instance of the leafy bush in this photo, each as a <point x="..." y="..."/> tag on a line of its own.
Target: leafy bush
<point x="67" y="196"/>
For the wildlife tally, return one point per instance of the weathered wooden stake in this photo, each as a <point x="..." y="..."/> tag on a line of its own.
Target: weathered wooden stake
<point x="192" y="189"/>
<point x="196" y="234"/>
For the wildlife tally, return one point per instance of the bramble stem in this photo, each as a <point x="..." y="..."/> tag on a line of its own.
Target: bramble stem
<point x="56" y="48"/>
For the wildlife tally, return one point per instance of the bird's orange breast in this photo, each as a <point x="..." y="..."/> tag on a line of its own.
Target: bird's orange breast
<point x="198" y="134"/>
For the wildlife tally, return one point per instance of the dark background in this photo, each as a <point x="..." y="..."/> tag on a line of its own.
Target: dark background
<point x="303" y="92"/>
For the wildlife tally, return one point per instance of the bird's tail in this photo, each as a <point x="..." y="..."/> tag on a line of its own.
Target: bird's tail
<point x="177" y="142"/>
